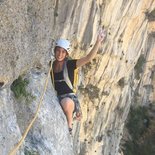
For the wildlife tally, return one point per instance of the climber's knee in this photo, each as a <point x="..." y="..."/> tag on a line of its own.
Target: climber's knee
<point x="67" y="105"/>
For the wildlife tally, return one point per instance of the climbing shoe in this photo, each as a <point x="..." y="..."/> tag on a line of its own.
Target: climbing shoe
<point x="70" y="131"/>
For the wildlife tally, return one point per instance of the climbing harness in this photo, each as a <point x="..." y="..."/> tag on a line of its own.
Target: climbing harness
<point x="66" y="78"/>
<point x="15" y="149"/>
<point x="73" y="86"/>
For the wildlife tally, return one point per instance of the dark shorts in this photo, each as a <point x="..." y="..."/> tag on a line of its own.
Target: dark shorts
<point x="74" y="98"/>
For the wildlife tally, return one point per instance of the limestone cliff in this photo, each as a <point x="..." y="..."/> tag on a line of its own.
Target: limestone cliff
<point x="121" y="75"/>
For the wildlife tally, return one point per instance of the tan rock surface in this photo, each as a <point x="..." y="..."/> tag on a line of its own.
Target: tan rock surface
<point x="124" y="65"/>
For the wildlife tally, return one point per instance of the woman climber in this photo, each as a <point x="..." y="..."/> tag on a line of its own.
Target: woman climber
<point x="63" y="76"/>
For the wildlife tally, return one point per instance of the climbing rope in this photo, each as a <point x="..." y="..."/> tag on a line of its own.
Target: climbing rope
<point x="15" y="149"/>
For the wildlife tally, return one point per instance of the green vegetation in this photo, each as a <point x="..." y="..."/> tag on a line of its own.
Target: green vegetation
<point x="142" y="132"/>
<point x="28" y="152"/>
<point x="139" y="66"/>
<point x="19" y="89"/>
<point x="137" y="123"/>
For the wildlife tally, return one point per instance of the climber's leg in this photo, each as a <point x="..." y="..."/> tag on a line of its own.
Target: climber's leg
<point x="68" y="108"/>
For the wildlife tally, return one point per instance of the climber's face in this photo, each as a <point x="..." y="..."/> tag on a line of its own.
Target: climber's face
<point x="60" y="53"/>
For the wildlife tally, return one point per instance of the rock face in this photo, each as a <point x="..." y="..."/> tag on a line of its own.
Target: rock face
<point x="49" y="134"/>
<point x="9" y="130"/>
<point x="124" y="67"/>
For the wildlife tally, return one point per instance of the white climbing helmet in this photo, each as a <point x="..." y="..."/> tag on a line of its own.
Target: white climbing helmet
<point x="63" y="43"/>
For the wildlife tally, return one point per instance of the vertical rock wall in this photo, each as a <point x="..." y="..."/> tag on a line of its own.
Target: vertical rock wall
<point x="125" y="63"/>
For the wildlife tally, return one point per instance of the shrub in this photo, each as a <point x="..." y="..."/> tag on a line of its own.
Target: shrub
<point x="19" y="89"/>
<point x="142" y="132"/>
<point x="138" y="122"/>
<point x="28" y="152"/>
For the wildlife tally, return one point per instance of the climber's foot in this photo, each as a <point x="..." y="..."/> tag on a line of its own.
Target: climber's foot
<point x="78" y="116"/>
<point x="70" y="131"/>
